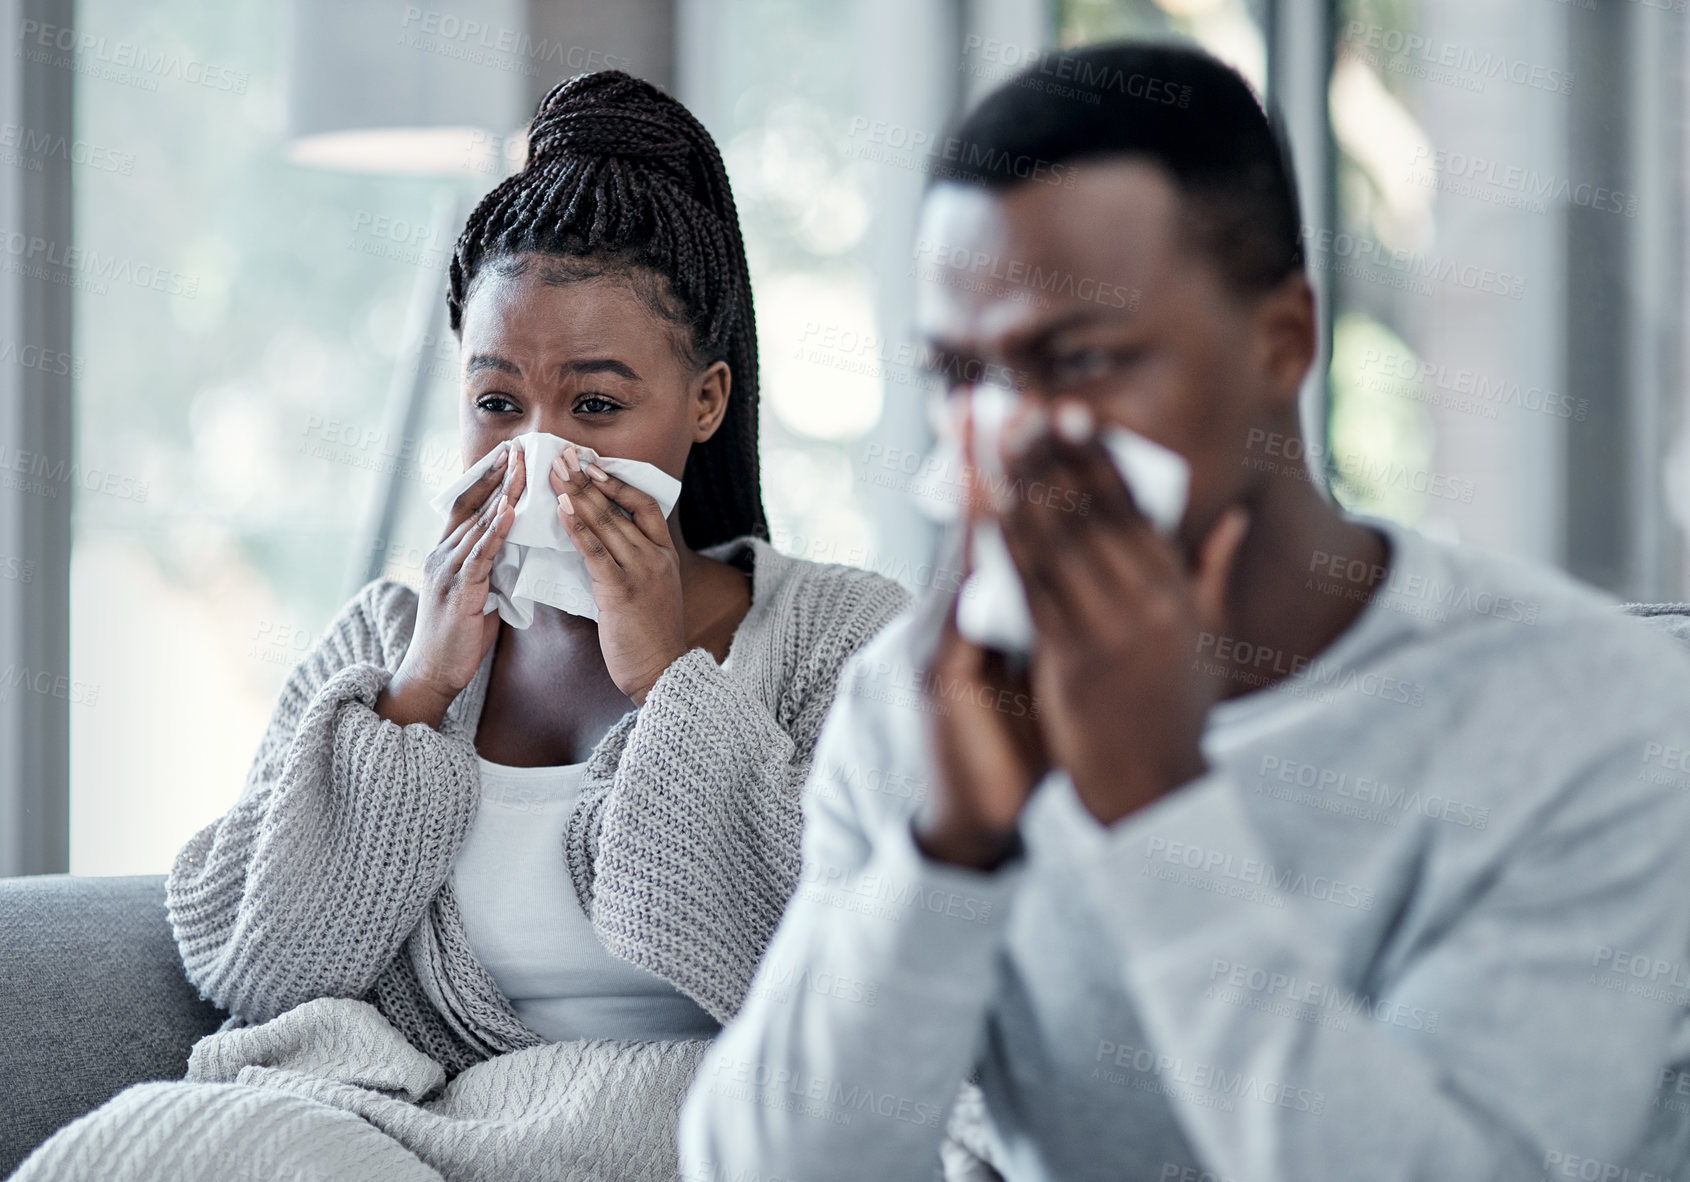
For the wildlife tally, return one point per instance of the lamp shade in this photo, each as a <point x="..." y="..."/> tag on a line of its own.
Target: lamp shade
<point x="428" y="89"/>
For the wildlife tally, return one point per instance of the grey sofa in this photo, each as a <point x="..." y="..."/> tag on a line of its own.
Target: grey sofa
<point x="93" y="997"/>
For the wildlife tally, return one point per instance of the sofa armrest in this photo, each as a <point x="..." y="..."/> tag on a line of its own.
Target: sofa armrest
<point x="92" y="999"/>
<point x="1673" y="619"/>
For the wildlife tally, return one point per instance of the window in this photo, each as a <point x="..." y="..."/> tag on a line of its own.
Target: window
<point x="237" y="318"/>
<point x="1505" y="263"/>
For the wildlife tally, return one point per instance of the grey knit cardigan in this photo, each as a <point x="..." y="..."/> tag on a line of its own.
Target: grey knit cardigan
<point x="330" y="875"/>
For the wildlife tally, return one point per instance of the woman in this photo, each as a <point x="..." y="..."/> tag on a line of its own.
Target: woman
<point x="488" y="890"/>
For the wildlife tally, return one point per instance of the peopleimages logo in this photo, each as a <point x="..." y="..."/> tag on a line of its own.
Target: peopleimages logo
<point x="1477" y="391"/>
<point x="36" y="145"/>
<point x="1465" y="59"/>
<point x="1045" y="67"/>
<point x="21" y="570"/>
<point x="1317" y="995"/>
<point x="1528" y="183"/>
<point x="460" y="38"/>
<point x="1324" y="566"/>
<point x="836" y="1096"/>
<point x="1256" y="872"/>
<point x="41" y="475"/>
<point x="1020" y="273"/>
<point x="1355" y="466"/>
<point x="1559" y="1164"/>
<point x="1372" y="790"/>
<point x="1354" y="256"/>
<point x="54" y="362"/>
<point x="879" y="141"/>
<point x="1220" y="1084"/>
<point x="87" y="52"/>
<point x="35" y="255"/>
<point x="48" y="685"/>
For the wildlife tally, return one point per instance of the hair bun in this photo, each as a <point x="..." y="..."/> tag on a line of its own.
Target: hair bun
<point x="612" y="114"/>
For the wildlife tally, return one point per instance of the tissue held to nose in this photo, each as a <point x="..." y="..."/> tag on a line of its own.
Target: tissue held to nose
<point x="538" y="563"/>
<point x="992" y="610"/>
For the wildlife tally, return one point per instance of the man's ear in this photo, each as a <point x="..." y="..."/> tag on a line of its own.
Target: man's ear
<point x="1287" y="334"/>
<point x="710" y="399"/>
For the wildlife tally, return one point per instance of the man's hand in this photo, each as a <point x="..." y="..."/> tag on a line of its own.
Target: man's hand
<point x="987" y="751"/>
<point x="1118" y="617"/>
<point x="986" y="748"/>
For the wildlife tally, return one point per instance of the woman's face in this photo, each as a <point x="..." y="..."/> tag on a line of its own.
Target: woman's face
<point x="585" y="360"/>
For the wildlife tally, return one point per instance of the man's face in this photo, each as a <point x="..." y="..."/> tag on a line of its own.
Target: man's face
<point x="1091" y="291"/>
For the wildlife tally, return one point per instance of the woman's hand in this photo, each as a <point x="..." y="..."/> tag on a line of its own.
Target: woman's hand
<point x="635" y="569"/>
<point x="1118" y="616"/>
<point x="453" y="631"/>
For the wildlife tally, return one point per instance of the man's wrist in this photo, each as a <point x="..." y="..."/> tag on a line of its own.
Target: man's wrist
<point x="966" y="846"/>
<point x="1110" y="796"/>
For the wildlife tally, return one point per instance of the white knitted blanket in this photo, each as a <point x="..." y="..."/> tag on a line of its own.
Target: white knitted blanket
<point x="592" y="1111"/>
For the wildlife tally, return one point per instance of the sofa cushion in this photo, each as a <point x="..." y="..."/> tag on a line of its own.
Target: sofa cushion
<point x="92" y="999"/>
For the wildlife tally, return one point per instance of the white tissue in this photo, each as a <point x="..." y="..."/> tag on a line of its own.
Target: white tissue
<point x="538" y="563"/>
<point x="992" y="610"/>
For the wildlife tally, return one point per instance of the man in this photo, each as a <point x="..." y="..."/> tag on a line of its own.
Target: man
<point x="1304" y="848"/>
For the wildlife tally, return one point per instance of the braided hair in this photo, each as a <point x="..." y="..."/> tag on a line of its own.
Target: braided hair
<point x="622" y="180"/>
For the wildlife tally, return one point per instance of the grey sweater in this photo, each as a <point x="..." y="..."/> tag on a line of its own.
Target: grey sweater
<point x="330" y="876"/>
<point x="1427" y="917"/>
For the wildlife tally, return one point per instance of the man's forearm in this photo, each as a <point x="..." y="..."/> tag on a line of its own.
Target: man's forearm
<point x="859" y="1028"/>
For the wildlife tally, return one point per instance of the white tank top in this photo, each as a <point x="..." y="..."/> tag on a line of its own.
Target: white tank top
<point x="525" y="925"/>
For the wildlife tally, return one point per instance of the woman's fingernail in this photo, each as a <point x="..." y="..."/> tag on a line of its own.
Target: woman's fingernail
<point x="563" y="503"/>
<point x="597" y="472"/>
<point x="1074" y="421"/>
<point x="572" y="460"/>
<point x="561" y="468"/>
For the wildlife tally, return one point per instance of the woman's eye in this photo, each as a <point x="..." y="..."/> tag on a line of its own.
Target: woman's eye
<point x="495" y="403"/>
<point x="593" y="404"/>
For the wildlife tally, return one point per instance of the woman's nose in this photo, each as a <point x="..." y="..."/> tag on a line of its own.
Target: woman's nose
<point x="551" y="423"/>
